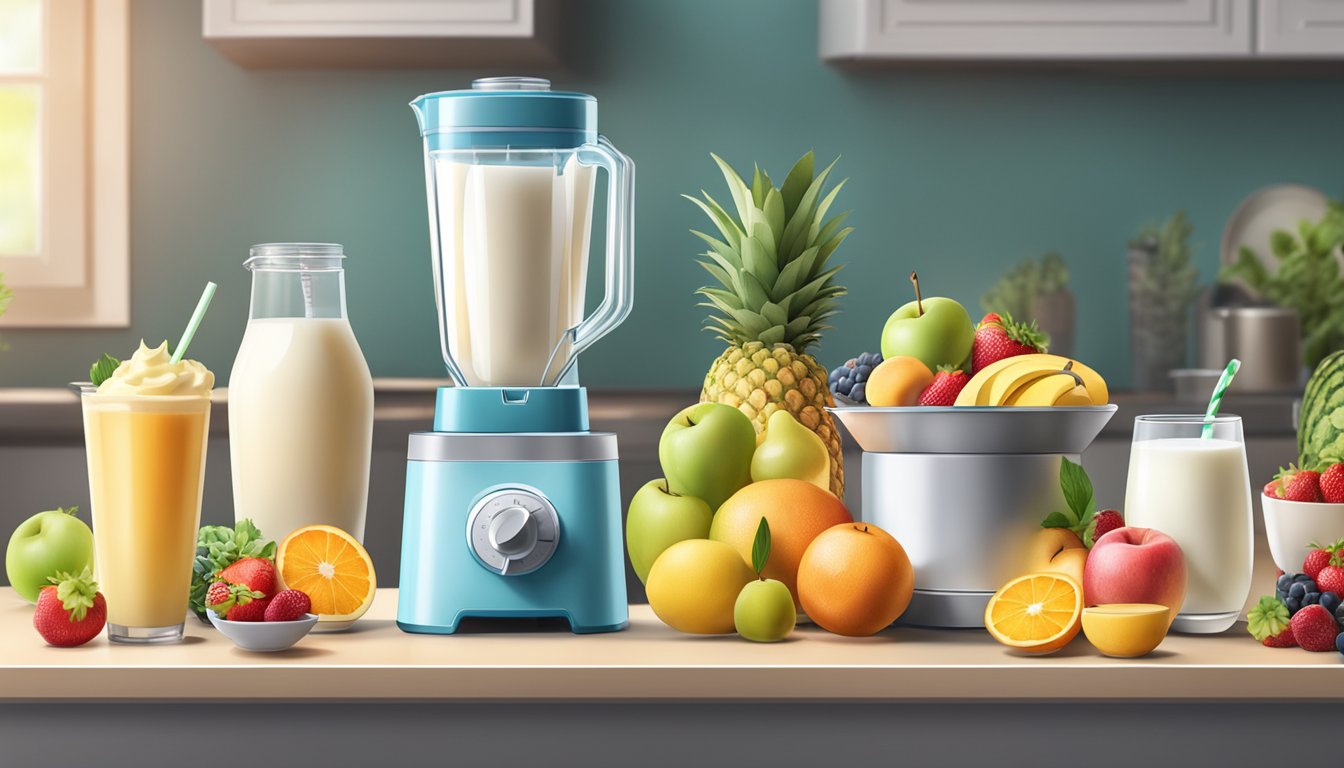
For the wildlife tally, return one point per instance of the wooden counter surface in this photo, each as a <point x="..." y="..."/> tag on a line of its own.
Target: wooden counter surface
<point x="376" y="661"/>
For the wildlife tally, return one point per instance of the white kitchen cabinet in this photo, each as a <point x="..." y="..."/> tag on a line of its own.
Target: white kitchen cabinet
<point x="858" y="30"/>
<point x="1300" y="29"/>
<point x="382" y="33"/>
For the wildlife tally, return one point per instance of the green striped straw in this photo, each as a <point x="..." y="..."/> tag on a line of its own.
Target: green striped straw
<point x="194" y="323"/>
<point x="1216" y="401"/>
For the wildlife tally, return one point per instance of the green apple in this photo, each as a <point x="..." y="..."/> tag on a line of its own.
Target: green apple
<point x="790" y="450"/>
<point x="45" y="544"/>
<point x="706" y="452"/>
<point x="658" y="519"/>
<point x="764" y="611"/>
<point x="936" y="330"/>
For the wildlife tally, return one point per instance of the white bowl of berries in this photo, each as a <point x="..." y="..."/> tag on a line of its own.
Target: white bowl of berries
<point x="1303" y="509"/>
<point x="262" y="624"/>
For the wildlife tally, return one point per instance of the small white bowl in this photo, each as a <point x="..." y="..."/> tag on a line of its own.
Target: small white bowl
<point x="264" y="636"/>
<point x="1291" y="526"/>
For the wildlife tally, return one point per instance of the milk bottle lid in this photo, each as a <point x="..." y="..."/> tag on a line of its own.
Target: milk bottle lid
<point x="506" y="112"/>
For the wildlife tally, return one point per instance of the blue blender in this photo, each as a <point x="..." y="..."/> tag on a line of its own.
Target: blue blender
<point x="512" y="504"/>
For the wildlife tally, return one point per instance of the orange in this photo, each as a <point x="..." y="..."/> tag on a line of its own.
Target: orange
<point x="797" y="511"/>
<point x="331" y="567"/>
<point x="898" y="381"/>
<point x="855" y="579"/>
<point x="1036" y="613"/>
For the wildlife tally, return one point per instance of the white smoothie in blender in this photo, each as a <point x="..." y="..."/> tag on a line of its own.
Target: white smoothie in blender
<point x="1197" y="491"/>
<point x="517" y="279"/>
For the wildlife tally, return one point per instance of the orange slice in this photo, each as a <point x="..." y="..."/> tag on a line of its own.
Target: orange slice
<point x="331" y="567"/>
<point x="1036" y="613"/>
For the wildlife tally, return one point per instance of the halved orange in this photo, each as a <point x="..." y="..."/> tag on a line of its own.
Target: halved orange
<point x="331" y="567"/>
<point x="1036" y="613"/>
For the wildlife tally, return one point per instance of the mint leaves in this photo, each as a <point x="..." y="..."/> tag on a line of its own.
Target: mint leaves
<point x="1078" y="495"/>
<point x="760" y="547"/>
<point x="103" y="369"/>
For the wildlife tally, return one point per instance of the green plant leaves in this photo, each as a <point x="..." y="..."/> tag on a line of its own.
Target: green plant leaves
<point x="760" y="546"/>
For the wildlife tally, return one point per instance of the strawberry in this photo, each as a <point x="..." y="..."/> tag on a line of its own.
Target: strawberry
<point x="72" y="612"/>
<point x="1105" y="521"/>
<point x="1274" y="488"/>
<point x="947" y="384"/>
<point x="288" y="605"/>
<point x="249" y="610"/>
<point x="1314" y="628"/>
<point x="1300" y="484"/>
<point x="1318" y="558"/>
<point x="998" y="336"/>
<point x="1332" y="483"/>
<point x="255" y="573"/>
<point x="1331" y="577"/>
<point x="1284" y="639"/>
<point x="235" y="602"/>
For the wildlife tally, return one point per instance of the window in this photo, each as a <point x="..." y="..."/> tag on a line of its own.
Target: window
<point x="63" y="162"/>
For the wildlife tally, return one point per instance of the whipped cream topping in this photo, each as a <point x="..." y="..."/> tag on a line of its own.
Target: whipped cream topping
<point x="152" y="372"/>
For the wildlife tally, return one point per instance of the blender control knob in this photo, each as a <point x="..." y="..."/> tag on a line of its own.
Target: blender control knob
<point x="513" y="532"/>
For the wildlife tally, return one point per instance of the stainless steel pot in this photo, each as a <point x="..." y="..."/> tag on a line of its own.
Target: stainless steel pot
<point x="1267" y="340"/>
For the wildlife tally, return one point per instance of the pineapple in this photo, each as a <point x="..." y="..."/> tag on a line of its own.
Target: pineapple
<point x="774" y="296"/>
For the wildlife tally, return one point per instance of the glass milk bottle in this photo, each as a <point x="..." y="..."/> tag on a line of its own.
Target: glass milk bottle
<point x="300" y="397"/>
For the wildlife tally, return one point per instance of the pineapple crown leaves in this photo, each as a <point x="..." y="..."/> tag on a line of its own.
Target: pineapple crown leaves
<point x="771" y="259"/>
<point x="76" y="592"/>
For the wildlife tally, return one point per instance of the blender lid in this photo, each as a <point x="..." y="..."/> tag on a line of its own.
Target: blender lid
<point x="518" y="112"/>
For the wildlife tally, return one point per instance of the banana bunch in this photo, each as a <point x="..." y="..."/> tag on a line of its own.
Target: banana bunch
<point x="1035" y="380"/>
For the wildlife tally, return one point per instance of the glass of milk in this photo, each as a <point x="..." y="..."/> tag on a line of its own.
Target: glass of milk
<point x="300" y="397"/>
<point x="1196" y="489"/>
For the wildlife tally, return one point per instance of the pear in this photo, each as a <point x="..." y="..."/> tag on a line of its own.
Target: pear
<point x="790" y="450"/>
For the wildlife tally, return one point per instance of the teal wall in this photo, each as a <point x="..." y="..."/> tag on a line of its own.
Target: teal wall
<point x="957" y="174"/>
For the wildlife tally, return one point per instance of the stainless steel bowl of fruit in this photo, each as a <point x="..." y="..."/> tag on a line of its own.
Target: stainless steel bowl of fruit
<point x="964" y="488"/>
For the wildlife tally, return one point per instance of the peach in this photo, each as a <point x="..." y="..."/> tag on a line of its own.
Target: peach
<point x="1056" y="550"/>
<point x="898" y="381"/>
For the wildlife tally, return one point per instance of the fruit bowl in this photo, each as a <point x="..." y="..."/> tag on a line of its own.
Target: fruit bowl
<point x="975" y="429"/>
<point x="264" y="636"/>
<point x="1291" y="525"/>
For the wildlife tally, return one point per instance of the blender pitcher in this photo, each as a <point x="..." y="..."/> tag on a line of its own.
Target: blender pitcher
<point x="510" y="167"/>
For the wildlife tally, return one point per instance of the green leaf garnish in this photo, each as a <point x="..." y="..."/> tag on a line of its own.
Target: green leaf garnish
<point x="1056" y="520"/>
<point x="760" y="547"/>
<point x="103" y="369"/>
<point x="1077" y="488"/>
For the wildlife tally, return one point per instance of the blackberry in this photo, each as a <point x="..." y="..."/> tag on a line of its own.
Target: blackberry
<point x="849" y="379"/>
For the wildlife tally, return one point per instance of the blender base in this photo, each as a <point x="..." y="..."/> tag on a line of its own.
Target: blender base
<point x="946" y="610"/>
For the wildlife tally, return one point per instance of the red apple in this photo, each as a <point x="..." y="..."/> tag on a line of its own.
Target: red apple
<point x="1135" y="565"/>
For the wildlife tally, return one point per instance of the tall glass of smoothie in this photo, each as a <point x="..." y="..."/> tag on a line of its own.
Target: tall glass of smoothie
<point x="145" y="432"/>
<point x="1191" y="483"/>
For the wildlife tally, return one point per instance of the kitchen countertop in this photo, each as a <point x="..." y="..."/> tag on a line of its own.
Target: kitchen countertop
<point x="376" y="661"/>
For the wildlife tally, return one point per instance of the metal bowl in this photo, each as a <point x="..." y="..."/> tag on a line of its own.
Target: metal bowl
<point x="975" y="429"/>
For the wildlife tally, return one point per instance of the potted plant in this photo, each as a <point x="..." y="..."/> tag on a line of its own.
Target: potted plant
<point x="1308" y="279"/>
<point x="1161" y="286"/>
<point x="1037" y="291"/>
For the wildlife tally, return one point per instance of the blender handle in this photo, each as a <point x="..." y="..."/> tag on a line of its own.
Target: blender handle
<point x="620" y="274"/>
